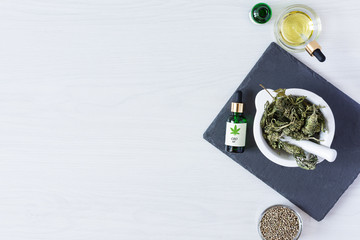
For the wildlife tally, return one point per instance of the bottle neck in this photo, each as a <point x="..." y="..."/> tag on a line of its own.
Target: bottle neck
<point x="237" y="113"/>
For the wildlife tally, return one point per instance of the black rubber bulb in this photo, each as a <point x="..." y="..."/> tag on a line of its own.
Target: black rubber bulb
<point x="319" y="55"/>
<point x="238" y="97"/>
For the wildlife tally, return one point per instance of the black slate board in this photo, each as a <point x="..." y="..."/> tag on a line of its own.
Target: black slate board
<point x="315" y="192"/>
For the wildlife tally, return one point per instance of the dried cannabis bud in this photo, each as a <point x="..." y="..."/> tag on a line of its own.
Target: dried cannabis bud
<point x="296" y="117"/>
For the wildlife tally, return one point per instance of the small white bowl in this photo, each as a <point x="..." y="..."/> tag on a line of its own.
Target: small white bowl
<point x="282" y="158"/>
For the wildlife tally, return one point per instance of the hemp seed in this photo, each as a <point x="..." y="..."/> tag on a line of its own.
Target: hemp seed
<point x="279" y="223"/>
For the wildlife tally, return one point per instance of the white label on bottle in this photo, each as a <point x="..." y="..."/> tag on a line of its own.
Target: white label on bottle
<point x="235" y="134"/>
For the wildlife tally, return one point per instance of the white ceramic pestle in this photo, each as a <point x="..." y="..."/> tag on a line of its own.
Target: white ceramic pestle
<point x="319" y="150"/>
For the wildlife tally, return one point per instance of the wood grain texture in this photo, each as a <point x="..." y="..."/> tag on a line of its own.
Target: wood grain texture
<point x="103" y="105"/>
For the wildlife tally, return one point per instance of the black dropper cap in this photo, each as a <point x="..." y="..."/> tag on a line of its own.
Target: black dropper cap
<point x="237" y="105"/>
<point x="319" y="55"/>
<point x="238" y="97"/>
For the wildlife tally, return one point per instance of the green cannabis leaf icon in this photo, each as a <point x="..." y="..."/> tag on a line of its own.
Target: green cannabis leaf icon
<point x="235" y="130"/>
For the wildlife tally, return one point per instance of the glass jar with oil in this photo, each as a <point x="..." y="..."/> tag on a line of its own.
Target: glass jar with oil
<point x="297" y="29"/>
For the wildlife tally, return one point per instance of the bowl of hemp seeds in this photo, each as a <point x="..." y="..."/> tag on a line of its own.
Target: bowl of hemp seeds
<point x="280" y="222"/>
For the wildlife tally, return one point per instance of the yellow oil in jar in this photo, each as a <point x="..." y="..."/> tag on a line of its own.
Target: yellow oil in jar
<point x="296" y="27"/>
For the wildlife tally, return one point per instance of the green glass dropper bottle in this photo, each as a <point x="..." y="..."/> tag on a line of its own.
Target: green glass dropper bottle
<point x="260" y="13"/>
<point x="236" y="126"/>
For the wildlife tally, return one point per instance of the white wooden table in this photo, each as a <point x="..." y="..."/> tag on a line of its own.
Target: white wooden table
<point x="102" y="108"/>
